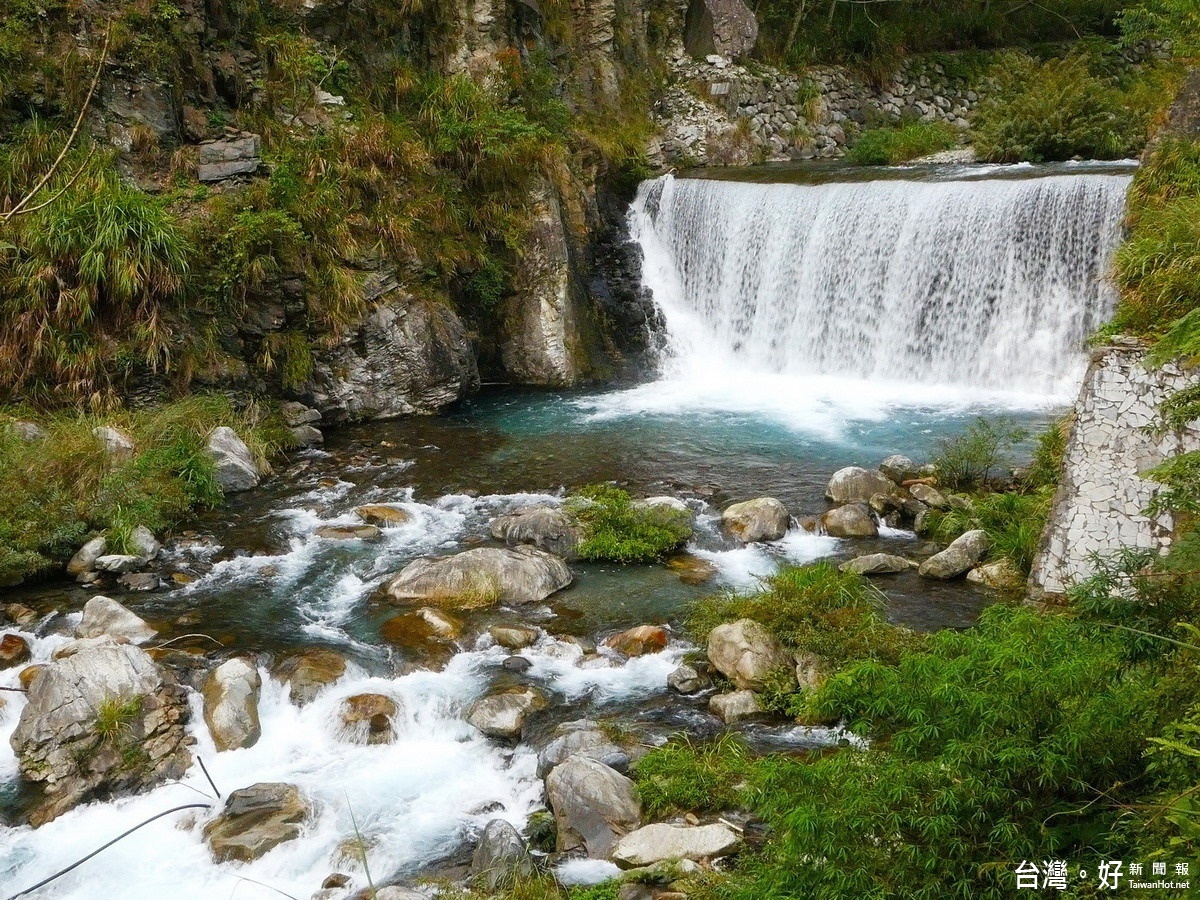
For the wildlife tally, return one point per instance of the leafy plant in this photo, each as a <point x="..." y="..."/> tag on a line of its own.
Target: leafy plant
<point x="691" y="776"/>
<point x="616" y="529"/>
<point x="1013" y="521"/>
<point x="890" y="146"/>
<point x="966" y="461"/>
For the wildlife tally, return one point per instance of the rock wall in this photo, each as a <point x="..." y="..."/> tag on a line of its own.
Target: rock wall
<point x="722" y="113"/>
<point x="1101" y="500"/>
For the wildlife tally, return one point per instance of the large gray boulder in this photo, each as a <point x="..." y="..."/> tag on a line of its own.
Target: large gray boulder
<point x="735" y="706"/>
<point x="660" y="842"/>
<point x="763" y="519"/>
<point x="878" y="564"/>
<point x="84" y="560"/>
<point x="581" y="738"/>
<point x="235" y="466"/>
<point x="549" y="528"/>
<point x="503" y="714"/>
<point x="748" y="655"/>
<point x="481" y="577"/>
<point x="500" y="857"/>
<point x="102" y="720"/>
<point x="854" y="520"/>
<point x="103" y="616"/>
<point x="255" y="820"/>
<point x="900" y="468"/>
<point x="406" y="357"/>
<point x="593" y="806"/>
<point x="854" y="484"/>
<point x="725" y="27"/>
<point x="963" y="554"/>
<point x="930" y="496"/>
<point x="231" y="694"/>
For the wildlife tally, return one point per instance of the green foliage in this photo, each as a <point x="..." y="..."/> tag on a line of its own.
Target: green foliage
<point x="967" y="461"/>
<point x="1180" y="476"/>
<point x="1177" y="21"/>
<point x="54" y="492"/>
<point x="617" y="529"/>
<point x="1049" y="451"/>
<point x="687" y="776"/>
<point x="1055" y="109"/>
<point x="890" y="146"/>
<point x="114" y="717"/>
<point x="1013" y="521"/>
<point x="84" y="284"/>
<point x="815" y="608"/>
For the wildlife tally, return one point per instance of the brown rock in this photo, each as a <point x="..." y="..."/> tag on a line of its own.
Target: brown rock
<point x="14" y="650"/>
<point x="639" y="641"/>
<point x="383" y="516"/>
<point x="369" y="718"/>
<point x="692" y="569"/>
<point x="29" y="673"/>
<point x="310" y="671"/>
<point x="255" y="820"/>
<point x="349" y="532"/>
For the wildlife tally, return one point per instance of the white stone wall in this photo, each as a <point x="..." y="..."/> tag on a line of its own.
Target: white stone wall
<point x="1100" y="503"/>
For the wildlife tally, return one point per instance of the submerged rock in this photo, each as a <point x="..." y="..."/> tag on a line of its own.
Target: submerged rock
<point x="235" y="467"/>
<point x="593" y="806"/>
<point x="500" y="857"/>
<point x="383" y="516"/>
<point x="103" y="720"/>
<point x="368" y="719"/>
<point x="735" y="706"/>
<point x="853" y="520"/>
<point x="639" y="641"/>
<point x="658" y="843"/>
<point x="255" y="820"/>
<point x="964" y="553"/>
<point x="877" y="564"/>
<point x="748" y="654"/>
<point x="482" y="577"/>
<point x="103" y="616"/>
<point x="763" y="519"/>
<point x="854" y="484"/>
<point x="309" y="672"/>
<point x="549" y="528"/>
<point x="231" y="694"/>
<point x="503" y="714"/>
<point x="692" y="569"/>
<point x="689" y="678"/>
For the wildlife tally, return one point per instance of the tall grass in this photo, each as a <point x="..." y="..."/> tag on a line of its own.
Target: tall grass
<point x="891" y="146"/>
<point x="615" y="529"/>
<point x="56" y="491"/>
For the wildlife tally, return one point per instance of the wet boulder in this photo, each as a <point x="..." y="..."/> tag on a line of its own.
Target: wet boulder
<point x="14" y="650"/>
<point x="763" y="519"/>
<point x="427" y="635"/>
<point x="256" y="820"/>
<point x="661" y="842"/>
<point x="500" y="857"/>
<point x="854" y="484"/>
<point x="692" y="569"/>
<point x="639" y="641"/>
<point x="349" y="532"/>
<point x="309" y="672"/>
<point x="103" y="616"/>
<point x="103" y="720"/>
<point x="735" y="706"/>
<point x="963" y="554"/>
<point x="382" y="515"/>
<point x="899" y="469"/>
<point x="235" y="466"/>
<point x="690" y="678"/>
<point x="481" y="577"/>
<point x="593" y="806"/>
<point x="514" y="637"/>
<point x="581" y="738"/>
<point x="930" y="496"/>
<point x="231" y="692"/>
<point x="747" y="654"/>
<point x="503" y="714"/>
<point x="368" y="719"/>
<point x="854" y="520"/>
<point x="84" y="560"/>
<point x="549" y="528"/>
<point x="877" y="564"/>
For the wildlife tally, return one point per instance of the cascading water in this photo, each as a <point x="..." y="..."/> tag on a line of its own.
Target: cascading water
<point x="974" y="287"/>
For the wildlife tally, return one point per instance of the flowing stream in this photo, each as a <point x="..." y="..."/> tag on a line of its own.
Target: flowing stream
<point x="809" y="326"/>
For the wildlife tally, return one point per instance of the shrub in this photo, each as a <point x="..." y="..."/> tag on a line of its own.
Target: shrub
<point x="1045" y="468"/>
<point x="966" y="461"/>
<point x="688" y="776"/>
<point x="816" y="608"/>
<point x="1052" y="110"/>
<point x="615" y="529"/>
<point x="1014" y="522"/>
<point x="889" y="146"/>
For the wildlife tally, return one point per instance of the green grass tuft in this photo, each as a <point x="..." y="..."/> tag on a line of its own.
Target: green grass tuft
<point x="615" y="529"/>
<point x="891" y="146"/>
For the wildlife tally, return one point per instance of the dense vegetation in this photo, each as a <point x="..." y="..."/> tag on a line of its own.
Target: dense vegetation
<point x="58" y="490"/>
<point x="618" y="529"/>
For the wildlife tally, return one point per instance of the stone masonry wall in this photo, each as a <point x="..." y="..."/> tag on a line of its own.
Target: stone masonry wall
<point x="1100" y="502"/>
<point x="722" y="113"/>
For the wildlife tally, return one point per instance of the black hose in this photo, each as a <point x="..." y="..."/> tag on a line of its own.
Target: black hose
<point x="98" y="850"/>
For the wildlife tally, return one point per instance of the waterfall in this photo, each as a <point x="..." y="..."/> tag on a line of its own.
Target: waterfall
<point x="978" y="285"/>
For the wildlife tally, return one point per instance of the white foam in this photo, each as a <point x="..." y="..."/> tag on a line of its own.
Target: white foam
<point x="744" y="568"/>
<point x="585" y="871"/>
